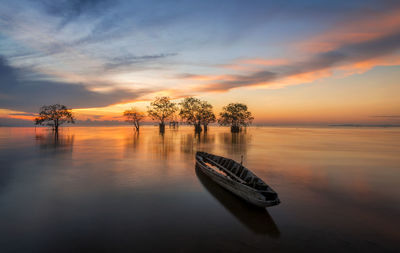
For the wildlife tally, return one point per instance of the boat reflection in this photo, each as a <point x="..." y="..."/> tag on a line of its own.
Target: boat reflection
<point x="254" y="218"/>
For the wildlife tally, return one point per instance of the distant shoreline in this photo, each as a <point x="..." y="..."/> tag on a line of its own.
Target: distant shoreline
<point x="360" y="125"/>
<point x="253" y="126"/>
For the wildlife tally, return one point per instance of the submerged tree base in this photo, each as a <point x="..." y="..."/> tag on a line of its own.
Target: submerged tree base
<point x="162" y="127"/>
<point x="235" y="129"/>
<point x="197" y="128"/>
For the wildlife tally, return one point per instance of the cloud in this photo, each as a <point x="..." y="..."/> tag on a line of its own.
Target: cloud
<point x="27" y="95"/>
<point x="344" y="55"/>
<point x="126" y="61"/>
<point x="23" y="114"/>
<point x="237" y="81"/>
<point x="200" y="77"/>
<point x="263" y="62"/>
<point x="15" y="122"/>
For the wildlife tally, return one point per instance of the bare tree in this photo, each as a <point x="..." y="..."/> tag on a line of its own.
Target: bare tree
<point x="134" y="117"/>
<point x="161" y="109"/>
<point x="54" y="116"/>
<point x="236" y="115"/>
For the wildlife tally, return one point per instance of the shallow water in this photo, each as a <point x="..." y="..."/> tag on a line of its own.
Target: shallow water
<point x="107" y="189"/>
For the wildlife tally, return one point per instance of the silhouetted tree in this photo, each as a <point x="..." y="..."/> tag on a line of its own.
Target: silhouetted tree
<point x="191" y="112"/>
<point x="54" y="116"/>
<point x="197" y="112"/>
<point x="207" y="115"/>
<point x="235" y="115"/>
<point x="161" y="109"/>
<point x="134" y="117"/>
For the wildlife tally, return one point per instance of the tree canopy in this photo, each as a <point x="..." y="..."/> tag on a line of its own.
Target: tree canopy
<point x="54" y="116"/>
<point x="236" y="115"/>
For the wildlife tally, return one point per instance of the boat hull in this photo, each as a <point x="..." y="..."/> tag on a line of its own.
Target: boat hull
<point x="245" y="192"/>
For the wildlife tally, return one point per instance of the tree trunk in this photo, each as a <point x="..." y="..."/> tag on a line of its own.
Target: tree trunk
<point x="235" y="129"/>
<point x="205" y="126"/>
<point x="162" y="127"/>
<point x="56" y="126"/>
<point x="197" y="128"/>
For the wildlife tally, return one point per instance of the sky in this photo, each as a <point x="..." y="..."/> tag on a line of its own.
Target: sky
<point x="291" y="62"/>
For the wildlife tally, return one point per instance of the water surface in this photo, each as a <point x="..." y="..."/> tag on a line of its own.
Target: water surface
<point x="108" y="189"/>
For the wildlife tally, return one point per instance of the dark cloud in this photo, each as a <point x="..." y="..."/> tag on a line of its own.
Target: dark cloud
<point x="23" y="114"/>
<point x="6" y="122"/>
<point x="240" y="80"/>
<point x="346" y="54"/>
<point x="128" y="60"/>
<point x="27" y="95"/>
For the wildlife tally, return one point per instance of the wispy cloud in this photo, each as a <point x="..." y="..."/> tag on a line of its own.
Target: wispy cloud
<point x="128" y="60"/>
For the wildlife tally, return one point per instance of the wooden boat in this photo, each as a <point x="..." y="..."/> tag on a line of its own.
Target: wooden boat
<point x="239" y="180"/>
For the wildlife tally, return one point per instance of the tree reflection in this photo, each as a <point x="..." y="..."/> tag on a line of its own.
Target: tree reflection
<point x="56" y="141"/>
<point x="254" y="218"/>
<point x="192" y="142"/>
<point x="205" y="138"/>
<point x="163" y="145"/>
<point x="188" y="143"/>
<point x="132" y="140"/>
<point x="235" y="143"/>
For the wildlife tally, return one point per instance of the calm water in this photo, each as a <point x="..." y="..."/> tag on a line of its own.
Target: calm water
<point x="110" y="190"/>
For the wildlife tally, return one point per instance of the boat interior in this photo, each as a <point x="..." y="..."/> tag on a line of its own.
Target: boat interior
<point x="234" y="170"/>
